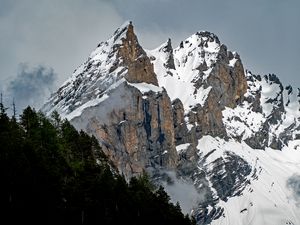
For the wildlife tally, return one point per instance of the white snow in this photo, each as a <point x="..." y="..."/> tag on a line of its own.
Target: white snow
<point x="232" y="62"/>
<point x="242" y="121"/>
<point x="179" y="83"/>
<point x="267" y="200"/>
<point x="269" y="91"/>
<point x="189" y="126"/>
<point x="78" y="111"/>
<point x="180" y="148"/>
<point x="145" y="87"/>
<point x="91" y="78"/>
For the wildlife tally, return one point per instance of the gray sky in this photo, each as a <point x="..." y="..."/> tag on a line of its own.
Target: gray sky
<point x="60" y="34"/>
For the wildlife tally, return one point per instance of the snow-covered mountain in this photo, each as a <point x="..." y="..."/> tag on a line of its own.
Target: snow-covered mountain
<point x="224" y="142"/>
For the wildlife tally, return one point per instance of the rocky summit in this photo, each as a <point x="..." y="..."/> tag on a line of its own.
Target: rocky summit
<point x="223" y="141"/>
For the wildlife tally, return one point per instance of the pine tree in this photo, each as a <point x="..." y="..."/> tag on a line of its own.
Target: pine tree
<point x="14" y="110"/>
<point x="2" y="108"/>
<point x="52" y="174"/>
<point x="55" y="117"/>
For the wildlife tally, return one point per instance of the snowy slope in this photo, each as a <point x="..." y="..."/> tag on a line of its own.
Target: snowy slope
<point x="267" y="198"/>
<point x="93" y="81"/>
<point x="179" y="80"/>
<point x="193" y="60"/>
<point x="278" y="114"/>
<point x="89" y="82"/>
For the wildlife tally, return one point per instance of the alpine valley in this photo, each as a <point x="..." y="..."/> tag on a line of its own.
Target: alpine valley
<point x="224" y="142"/>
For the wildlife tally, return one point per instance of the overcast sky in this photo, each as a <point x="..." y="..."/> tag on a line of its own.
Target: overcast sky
<point x="50" y="38"/>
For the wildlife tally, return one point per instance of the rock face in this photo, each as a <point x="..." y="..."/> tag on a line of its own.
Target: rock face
<point x="229" y="81"/>
<point x="134" y="58"/>
<point x="136" y="132"/>
<point x="128" y="113"/>
<point x="216" y="76"/>
<point x="191" y="111"/>
<point x="229" y="85"/>
<point x="180" y="129"/>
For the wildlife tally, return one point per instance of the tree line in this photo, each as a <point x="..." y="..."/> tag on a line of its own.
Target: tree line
<point x="52" y="174"/>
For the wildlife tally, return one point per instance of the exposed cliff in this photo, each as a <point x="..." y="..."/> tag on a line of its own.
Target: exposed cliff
<point x="210" y="77"/>
<point x="114" y="96"/>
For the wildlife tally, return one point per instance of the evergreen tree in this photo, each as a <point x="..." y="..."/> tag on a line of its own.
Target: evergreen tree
<point x="52" y="174"/>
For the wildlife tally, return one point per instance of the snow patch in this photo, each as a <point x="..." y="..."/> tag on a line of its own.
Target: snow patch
<point x="78" y="111"/>
<point x="268" y="199"/>
<point x="182" y="147"/>
<point x="145" y="87"/>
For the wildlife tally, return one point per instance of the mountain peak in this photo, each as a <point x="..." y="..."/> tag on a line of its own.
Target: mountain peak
<point x="134" y="58"/>
<point x="206" y="35"/>
<point x="121" y="56"/>
<point x="204" y="122"/>
<point x="166" y="46"/>
<point x="123" y="30"/>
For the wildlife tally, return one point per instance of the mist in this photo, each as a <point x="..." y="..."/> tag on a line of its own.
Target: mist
<point x="182" y="191"/>
<point x="32" y="86"/>
<point x="293" y="184"/>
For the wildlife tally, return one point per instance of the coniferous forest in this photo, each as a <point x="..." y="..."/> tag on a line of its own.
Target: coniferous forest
<point x="53" y="174"/>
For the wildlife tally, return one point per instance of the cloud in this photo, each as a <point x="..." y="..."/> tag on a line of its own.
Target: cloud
<point x="58" y="34"/>
<point x="182" y="191"/>
<point x="293" y="184"/>
<point x="32" y="86"/>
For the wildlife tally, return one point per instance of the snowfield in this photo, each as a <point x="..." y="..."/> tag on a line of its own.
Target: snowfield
<point x="269" y="198"/>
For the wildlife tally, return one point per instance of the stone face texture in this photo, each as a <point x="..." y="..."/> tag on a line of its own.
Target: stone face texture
<point x="139" y="134"/>
<point x="140" y="69"/>
<point x="228" y="86"/>
<point x="170" y="61"/>
<point x="208" y="118"/>
<point x="180" y="129"/>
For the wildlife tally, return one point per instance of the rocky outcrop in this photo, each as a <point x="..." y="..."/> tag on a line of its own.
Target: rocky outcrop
<point x="254" y="98"/>
<point x="228" y="85"/>
<point x="119" y="57"/>
<point x="229" y="82"/>
<point x="208" y="118"/>
<point x="180" y="128"/>
<point x="216" y="78"/>
<point x="135" y="59"/>
<point x="170" y="64"/>
<point x="138" y="133"/>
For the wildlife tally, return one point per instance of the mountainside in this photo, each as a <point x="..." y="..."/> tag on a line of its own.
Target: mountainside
<point x="223" y="141"/>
